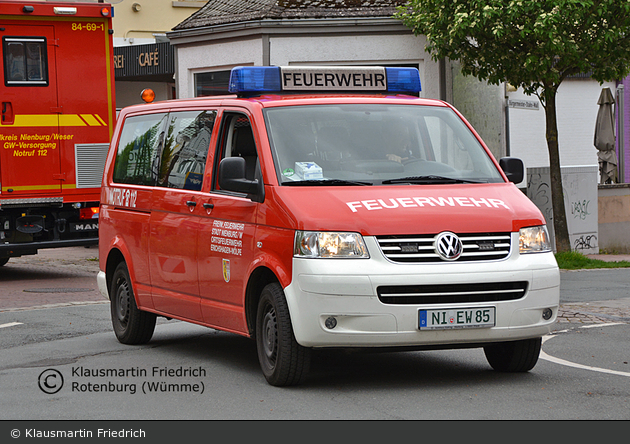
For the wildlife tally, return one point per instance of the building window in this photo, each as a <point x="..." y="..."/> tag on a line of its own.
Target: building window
<point x="25" y="61"/>
<point x="212" y="83"/>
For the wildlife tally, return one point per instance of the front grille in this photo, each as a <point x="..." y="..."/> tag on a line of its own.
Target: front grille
<point x="421" y="248"/>
<point x="451" y="293"/>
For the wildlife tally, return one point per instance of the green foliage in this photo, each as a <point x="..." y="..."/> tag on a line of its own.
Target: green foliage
<point x="572" y="260"/>
<point x="533" y="44"/>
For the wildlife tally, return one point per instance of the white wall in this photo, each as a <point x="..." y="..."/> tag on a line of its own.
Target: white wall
<point x="213" y="57"/>
<point x="296" y="50"/>
<point x="482" y="105"/>
<point x="356" y="50"/>
<point x="576" y="109"/>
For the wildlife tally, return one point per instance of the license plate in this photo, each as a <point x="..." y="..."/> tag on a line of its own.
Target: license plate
<point x="478" y="317"/>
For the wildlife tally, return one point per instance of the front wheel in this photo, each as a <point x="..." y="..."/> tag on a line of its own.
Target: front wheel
<point x="283" y="361"/>
<point x="515" y="356"/>
<point x="3" y="261"/>
<point x="131" y="325"/>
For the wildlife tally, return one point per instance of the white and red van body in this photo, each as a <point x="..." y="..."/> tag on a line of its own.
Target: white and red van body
<point x="321" y="243"/>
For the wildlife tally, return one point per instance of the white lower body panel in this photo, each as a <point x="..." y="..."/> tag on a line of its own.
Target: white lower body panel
<point x="347" y="290"/>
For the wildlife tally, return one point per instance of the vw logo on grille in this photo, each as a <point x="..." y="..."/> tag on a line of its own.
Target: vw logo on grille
<point x="448" y="246"/>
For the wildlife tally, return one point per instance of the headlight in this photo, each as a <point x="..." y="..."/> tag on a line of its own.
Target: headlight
<point x="329" y="245"/>
<point x="534" y="240"/>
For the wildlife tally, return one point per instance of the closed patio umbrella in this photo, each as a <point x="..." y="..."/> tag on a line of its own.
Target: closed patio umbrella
<point x="605" y="137"/>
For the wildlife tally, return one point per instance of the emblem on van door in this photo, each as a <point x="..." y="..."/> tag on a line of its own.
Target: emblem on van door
<point x="226" y="270"/>
<point x="448" y="246"/>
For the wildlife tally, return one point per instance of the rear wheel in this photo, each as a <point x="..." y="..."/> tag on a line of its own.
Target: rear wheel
<point x="131" y="325"/>
<point x="515" y="356"/>
<point x="283" y="361"/>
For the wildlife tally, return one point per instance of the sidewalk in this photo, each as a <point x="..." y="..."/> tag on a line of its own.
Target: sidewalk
<point x="597" y="312"/>
<point x="610" y="257"/>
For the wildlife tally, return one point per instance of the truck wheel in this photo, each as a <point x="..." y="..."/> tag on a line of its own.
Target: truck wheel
<point x="283" y="361"/>
<point x="516" y="356"/>
<point x="131" y="325"/>
<point x="3" y="261"/>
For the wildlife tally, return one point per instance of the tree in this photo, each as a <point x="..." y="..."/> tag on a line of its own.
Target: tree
<point x="532" y="44"/>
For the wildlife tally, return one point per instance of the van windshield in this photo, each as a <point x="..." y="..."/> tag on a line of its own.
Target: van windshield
<point x="374" y="144"/>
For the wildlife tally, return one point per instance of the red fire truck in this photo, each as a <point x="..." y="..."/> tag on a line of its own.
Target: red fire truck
<point x="58" y="113"/>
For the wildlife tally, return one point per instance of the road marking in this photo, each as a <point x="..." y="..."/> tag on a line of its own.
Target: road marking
<point x="546" y="357"/>
<point x="11" y="324"/>
<point x="47" y="306"/>
<point x="610" y="324"/>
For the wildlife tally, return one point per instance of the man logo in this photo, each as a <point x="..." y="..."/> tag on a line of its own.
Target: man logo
<point x="226" y="270"/>
<point x="448" y="246"/>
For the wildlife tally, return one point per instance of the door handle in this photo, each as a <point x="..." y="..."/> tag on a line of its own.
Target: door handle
<point x="208" y="206"/>
<point x="191" y="203"/>
<point x="7" y="113"/>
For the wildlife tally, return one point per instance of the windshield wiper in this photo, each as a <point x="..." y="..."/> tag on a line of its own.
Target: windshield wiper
<point x="428" y="180"/>
<point x="324" y="182"/>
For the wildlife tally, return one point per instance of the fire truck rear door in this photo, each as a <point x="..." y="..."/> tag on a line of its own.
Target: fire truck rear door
<point x="29" y="150"/>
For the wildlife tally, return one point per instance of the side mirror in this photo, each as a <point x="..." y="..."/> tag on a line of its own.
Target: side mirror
<point x="513" y="168"/>
<point x="232" y="178"/>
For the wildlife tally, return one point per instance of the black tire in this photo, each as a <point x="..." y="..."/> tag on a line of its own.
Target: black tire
<point x="283" y="361"/>
<point x="3" y="261"/>
<point x="131" y="325"/>
<point x="516" y="356"/>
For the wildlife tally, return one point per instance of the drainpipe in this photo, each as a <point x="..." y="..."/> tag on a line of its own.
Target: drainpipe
<point x="507" y="119"/>
<point x="266" y="50"/>
<point x="442" y="75"/>
<point x="620" y="132"/>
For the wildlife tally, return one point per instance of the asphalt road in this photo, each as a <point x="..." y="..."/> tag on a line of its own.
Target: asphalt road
<point x="592" y="285"/>
<point x="50" y="278"/>
<point x="191" y="372"/>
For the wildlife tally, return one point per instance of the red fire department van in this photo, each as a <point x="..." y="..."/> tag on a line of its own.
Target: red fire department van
<point x="58" y="114"/>
<point x="323" y="207"/>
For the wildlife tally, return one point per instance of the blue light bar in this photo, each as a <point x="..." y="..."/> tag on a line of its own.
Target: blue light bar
<point x="403" y="80"/>
<point x="250" y="80"/>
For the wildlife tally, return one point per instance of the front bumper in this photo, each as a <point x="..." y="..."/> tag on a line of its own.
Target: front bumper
<point x="346" y="289"/>
<point x="101" y="280"/>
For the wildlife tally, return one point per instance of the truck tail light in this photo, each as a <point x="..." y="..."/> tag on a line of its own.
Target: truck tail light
<point x="89" y="213"/>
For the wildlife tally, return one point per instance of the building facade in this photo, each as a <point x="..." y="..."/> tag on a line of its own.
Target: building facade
<point x="577" y="111"/>
<point x="228" y="33"/>
<point x="143" y="56"/>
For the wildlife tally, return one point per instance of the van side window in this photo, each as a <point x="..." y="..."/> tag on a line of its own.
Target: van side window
<point x="137" y="157"/>
<point x="238" y="141"/>
<point x="25" y="61"/>
<point x="185" y="151"/>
